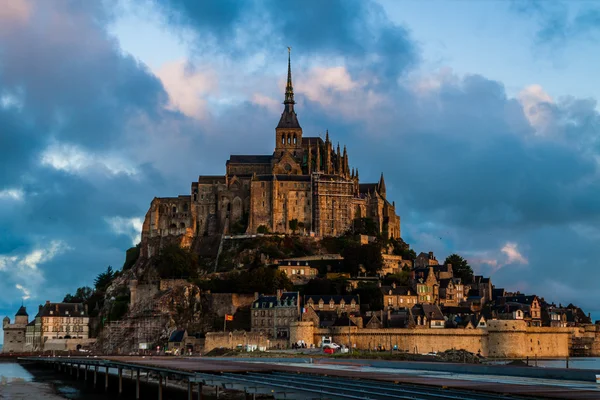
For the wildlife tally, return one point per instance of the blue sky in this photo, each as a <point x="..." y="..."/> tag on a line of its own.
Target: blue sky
<point x="482" y="115"/>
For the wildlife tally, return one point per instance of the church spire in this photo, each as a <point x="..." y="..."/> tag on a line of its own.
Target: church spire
<point x="382" y="186"/>
<point x="289" y="119"/>
<point x="289" y="89"/>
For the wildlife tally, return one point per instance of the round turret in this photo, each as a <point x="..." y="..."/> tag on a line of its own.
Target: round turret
<point x="5" y="321"/>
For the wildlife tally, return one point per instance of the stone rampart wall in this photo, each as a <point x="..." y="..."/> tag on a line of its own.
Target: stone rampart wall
<point x="230" y="340"/>
<point x="500" y="339"/>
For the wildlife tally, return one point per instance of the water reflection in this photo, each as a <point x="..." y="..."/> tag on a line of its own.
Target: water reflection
<point x="12" y="371"/>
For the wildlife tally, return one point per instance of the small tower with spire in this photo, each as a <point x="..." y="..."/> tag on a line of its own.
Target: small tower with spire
<point x="288" y="134"/>
<point x="381" y="186"/>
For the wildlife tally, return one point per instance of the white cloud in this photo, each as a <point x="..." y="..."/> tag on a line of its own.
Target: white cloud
<point x="15" y="10"/>
<point x="37" y="256"/>
<point x="26" y="292"/>
<point x="11" y="194"/>
<point x="335" y="87"/>
<point x="538" y="108"/>
<point x="188" y="87"/>
<point x="131" y="227"/>
<point x="268" y="102"/>
<point x="511" y="250"/>
<point x="73" y="159"/>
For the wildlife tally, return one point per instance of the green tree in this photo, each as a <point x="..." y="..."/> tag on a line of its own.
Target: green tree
<point x="370" y="297"/>
<point x="367" y="255"/>
<point x="402" y="278"/>
<point x="401" y="248"/>
<point x="262" y="229"/>
<point x="82" y="295"/>
<point x="104" y="279"/>
<point x="460" y="267"/>
<point x="365" y="226"/>
<point x="175" y="262"/>
<point x="293" y="225"/>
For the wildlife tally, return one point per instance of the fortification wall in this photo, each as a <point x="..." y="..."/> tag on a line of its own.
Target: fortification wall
<point x="501" y="339"/>
<point x="410" y="340"/>
<point x="230" y="340"/>
<point x="67" y="344"/>
<point x="302" y="331"/>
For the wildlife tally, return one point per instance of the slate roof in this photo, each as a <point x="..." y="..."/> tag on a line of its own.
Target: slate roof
<point x="22" y="312"/>
<point x="397" y="291"/>
<point x="250" y="159"/>
<point x="288" y="178"/>
<point x="177" y="336"/>
<point x="399" y="318"/>
<point x="367" y="187"/>
<point x="62" y="310"/>
<point x="327" y="298"/>
<point x="343" y="321"/>
<point x="211" y="179"/>
<point x="288" y="299"/>
<point x="520" y="299"/>
<point x="312" y="140"/>
<point x="431" y="311"/>
<point x="497" y="293"/>
<point x="288" y="119"/>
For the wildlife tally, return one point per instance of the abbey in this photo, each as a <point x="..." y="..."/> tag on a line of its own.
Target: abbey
<point x="306" y="180"/>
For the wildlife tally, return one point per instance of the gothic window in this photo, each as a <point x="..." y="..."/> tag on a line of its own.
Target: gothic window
<point x="295" y="140"/>
<point x="174" y="209"/>
<point x="289" y="139"/>
<point x="282" y="139"/>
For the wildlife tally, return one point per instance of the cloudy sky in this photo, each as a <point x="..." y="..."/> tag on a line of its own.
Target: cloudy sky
<point x="482" y="115"/>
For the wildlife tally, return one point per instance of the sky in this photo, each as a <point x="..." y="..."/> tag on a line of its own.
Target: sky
<point x="483" y="116"/>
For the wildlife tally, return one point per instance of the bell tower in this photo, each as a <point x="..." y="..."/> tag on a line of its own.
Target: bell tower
<point x="288" y="134"/>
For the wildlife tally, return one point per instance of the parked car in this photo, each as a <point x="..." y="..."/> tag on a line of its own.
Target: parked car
<point x="328" y="350"/>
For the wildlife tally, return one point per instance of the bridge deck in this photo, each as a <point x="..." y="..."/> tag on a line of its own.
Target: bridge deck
<point x="344" y="380"/>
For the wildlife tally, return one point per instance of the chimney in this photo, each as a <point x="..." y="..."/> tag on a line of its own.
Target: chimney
<point x="47" y="302"/>
<point x="255" y="295"/>
<point x="394" y="285"/>
<point x="431" y="257"/>
<point x="279" y="293"/>
<point x="56" y="306"/>
<point x="85" y="307"/>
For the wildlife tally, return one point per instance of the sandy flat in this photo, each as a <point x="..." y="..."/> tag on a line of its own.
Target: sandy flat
<point x="21" y="390"/>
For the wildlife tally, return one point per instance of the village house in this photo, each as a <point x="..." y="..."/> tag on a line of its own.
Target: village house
<point x="532" y="312"/>
<point x="64" y="321"/>
<point x="273" y="314"/>
<point x="425" y="260"/>
<point x="428" y="316"/>
<point x="336" y="303"/>
<point x="395" y="297"/>
<point x="427" y="286"/>
<point x="451" y="291"/>
<point x="299" y="271"/>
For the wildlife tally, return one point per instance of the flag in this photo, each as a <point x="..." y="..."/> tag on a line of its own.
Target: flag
<point x="228" y="317"/>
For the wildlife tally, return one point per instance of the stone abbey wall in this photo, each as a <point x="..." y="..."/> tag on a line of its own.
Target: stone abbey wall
<point x="500" y="339"/>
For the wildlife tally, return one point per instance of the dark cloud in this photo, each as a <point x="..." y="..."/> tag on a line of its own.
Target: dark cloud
<point x="359" y="31"/>
<point x="556" y="25"/>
